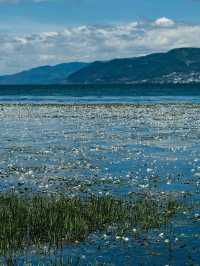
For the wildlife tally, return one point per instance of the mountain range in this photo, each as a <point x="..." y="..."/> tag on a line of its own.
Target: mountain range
<point x="181" y="65"/>
<point x="177" y="65"/>
<point x="43" y="75"/>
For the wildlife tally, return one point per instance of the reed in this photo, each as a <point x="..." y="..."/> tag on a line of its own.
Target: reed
<point x="55" y="221"/>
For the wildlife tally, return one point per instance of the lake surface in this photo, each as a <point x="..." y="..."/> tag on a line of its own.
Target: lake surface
<point x="73" y="94"/>
<point x="113" y="143"/>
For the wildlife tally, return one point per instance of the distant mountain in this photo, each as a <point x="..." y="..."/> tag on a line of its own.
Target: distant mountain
<point x="43" y="75"/>
<point x="181" y="65"/>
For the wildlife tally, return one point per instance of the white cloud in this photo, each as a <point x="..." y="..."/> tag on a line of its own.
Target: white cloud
<point x="88" y="43"/>
<point x="164" y="22"/>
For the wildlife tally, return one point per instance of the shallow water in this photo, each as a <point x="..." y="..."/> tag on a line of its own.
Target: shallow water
<point x="44" y="147"/>
<point x="106" y="149"/>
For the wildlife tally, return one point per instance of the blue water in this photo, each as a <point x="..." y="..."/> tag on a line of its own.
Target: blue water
<point x="75" y="139"/>
<point x="69" y="94"/>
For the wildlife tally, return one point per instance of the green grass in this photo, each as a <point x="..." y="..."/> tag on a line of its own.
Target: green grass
<point x="59" y="220"/>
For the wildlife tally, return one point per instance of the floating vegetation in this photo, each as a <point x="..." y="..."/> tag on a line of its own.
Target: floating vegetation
<point x="59" y="220"/>
<point x="134" y="160"/>
<point x="47" y="148"/>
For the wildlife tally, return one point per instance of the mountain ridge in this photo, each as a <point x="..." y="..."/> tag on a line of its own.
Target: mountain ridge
<point x="42" y="75"/>
<point x="179" y="65"/>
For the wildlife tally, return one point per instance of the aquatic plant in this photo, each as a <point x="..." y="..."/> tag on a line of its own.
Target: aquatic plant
<point x="56" y="221"/>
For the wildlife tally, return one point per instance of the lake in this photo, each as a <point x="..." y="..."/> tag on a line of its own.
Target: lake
<point x="120" y="141"/>
<point x="69" y="94"/>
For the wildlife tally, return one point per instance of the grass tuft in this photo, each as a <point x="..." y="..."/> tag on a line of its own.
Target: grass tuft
<point x="59" y="220"/>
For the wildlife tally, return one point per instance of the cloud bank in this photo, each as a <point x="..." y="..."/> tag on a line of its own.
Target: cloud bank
<point x="89" y="43"/>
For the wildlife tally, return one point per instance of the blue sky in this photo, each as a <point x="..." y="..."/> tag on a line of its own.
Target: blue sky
<point x="74" y="12"/>
<point x="38" y="32"/>
<point x="59" y="13"/>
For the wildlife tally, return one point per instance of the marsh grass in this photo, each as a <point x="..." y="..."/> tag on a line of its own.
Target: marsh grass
<point x="56" y="221"/>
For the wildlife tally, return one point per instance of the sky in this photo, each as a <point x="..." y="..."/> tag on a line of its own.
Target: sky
<point x="48" y="32"/>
